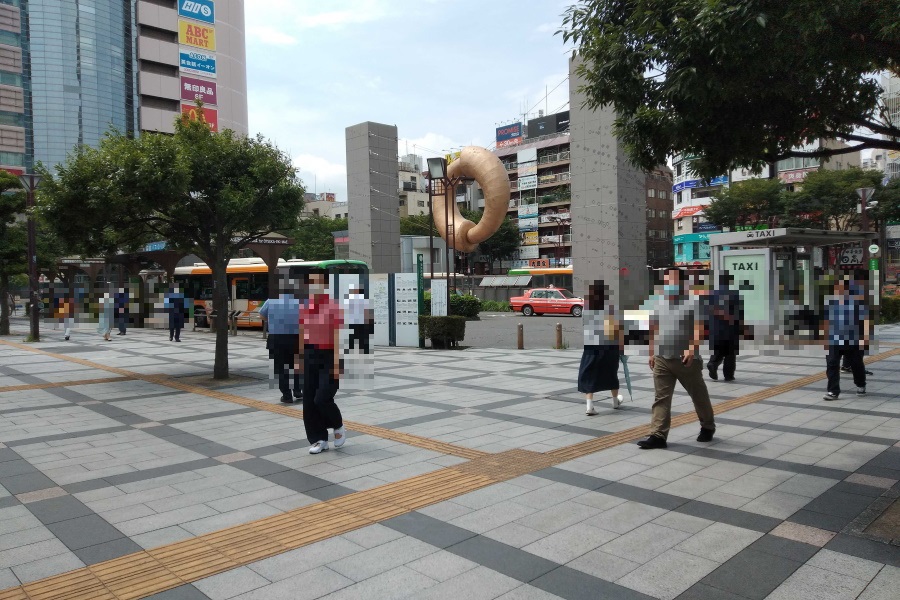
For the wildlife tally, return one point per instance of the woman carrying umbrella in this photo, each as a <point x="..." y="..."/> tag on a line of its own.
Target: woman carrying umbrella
<point x="604" y="342"/>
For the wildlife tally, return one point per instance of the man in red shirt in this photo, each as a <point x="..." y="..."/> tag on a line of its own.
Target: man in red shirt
<point x="321" y="320"/>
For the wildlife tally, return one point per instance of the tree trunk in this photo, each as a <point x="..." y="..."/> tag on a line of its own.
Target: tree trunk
<point x="221" y="295"/>
<point x="4" y="304"/>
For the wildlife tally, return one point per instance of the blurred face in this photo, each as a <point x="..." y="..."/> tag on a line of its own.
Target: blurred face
<point x="318" y="284"/>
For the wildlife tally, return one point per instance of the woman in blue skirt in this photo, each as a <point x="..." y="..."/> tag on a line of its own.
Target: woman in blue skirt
<point x="604" y="340"/>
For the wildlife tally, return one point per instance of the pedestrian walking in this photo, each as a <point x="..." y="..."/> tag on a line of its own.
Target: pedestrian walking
<point x="726" y="319"/>
<point x="321" y="320"/>
<point x="106" y="316"/>
<point x="67" y="308"/>
<point x="676" y="330"/>
<point x="359" y="318"/>
<point x="12" y="304"/>
<point x="846" y="327"/>
<point x="121" y="304"/>
<point x="174" y="305"/>
<point x="282" y="316"/>
<point x="604" y="341"/>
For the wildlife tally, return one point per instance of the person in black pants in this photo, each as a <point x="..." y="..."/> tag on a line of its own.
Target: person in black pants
<point x="321" y="321"/>
<point x="121" y="306"/>
<point x="282" y="316"/>
<point x="174" y="304"/>
<point x="846" y="328"/>
<point x="725" y="322"/>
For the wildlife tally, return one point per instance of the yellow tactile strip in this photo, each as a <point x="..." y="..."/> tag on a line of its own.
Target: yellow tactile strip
<point x="281" y="409"/>
<point x="153" y="571"/>
<point x="45" y="386"/>
<point x="608" y="441"/>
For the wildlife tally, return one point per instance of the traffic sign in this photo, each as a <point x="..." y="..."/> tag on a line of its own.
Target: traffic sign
<point x="873" y="249"/>
<point x="873" y="264"/>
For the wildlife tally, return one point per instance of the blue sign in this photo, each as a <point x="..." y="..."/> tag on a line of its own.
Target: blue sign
<point x="705" y="226"/>
<point x="690" y="237"/>
<point x="509" y="132"/>
<point x="692" y="183"/>
<point x="201" y="10"/>
<point x="198" y="63"/>
<point x="155" y="246"/>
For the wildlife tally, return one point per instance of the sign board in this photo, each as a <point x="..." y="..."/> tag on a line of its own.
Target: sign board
<point x="406" y="309"/>
<point x="693" y="183"/>
<point x="155" y="246"/>
<point x="539" y="263"/>
<point x="193" y="89"/>
<point x="562" y="121"/>
<point x="528" y="210"/>
<point x="795" y="175"/>
<point x="529" y="238"/>
<point x="893" y="244"/>
<point x="528" y="224"/>
<point x="196" y="62"/>
<point x="873" y="249"/>
<point x="379" y="293"/>
<point x="873" y="264"/>
<point x="892" y="231"/>
<point x="707" y="227"/>
<point x="529" y="182"/>
<point x="751" y="279"/>
<point x="737" y="237"/>
<point x="439" y="297"/>
<point x="210" y="115"/>
<point x="201" y="10"/>
<point x="529" y="252"/>
<point x="851" y="257"/>
<point x="506" y="133"/>
<point x="196" y="35"/>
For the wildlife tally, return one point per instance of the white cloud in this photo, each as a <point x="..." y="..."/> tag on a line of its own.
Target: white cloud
<point x="270" y="35"/>
<point x="322" y="175"/>
<point x="547" y="28"/>
<point x="429" y="145"/>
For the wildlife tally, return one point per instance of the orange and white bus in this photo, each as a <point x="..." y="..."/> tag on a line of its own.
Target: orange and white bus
<point x="248" y="284"/>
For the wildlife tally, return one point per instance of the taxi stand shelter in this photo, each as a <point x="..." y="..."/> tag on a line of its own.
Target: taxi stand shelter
<point x="781" y="273"/>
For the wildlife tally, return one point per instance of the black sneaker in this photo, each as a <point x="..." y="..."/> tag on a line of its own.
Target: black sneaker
<point x="729" y="378"/>
<point x="846" y="369"/>
<point x="653" y="442"/>
<point x="713" y="374"/>
<point x="830" y="396"/>
<point x="706" y="435"/>
<point x="287" y="400"/>
<point x="861" y="391"/>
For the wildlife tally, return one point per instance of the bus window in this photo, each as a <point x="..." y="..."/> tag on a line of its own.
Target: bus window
<point x="241" y="288"/>
<point x="259" y="287"/>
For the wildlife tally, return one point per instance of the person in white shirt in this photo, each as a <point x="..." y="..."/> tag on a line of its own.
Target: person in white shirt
<point x="604" y="342"/>
<point x="358" y="317"/>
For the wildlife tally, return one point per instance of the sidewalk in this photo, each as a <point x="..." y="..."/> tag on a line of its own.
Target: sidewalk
<point x="466" y="474"/>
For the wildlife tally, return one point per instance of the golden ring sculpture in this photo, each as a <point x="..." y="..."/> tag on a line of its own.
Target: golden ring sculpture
<point x="486" y="168"/>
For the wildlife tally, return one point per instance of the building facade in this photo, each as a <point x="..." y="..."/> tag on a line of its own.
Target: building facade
<point x="658" y="186"/>
<point x="413" y="186"/>
<point x="72" y="70"/>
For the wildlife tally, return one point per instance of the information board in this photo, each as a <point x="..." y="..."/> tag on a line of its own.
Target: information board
<point x="751" y="277"/>
<point x="380" y="295"/>
<point x="406" y="309"/>
<point x="439" y="297"/>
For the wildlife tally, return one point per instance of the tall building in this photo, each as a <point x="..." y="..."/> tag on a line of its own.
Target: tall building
<point x="413" y="186"/>
<point x="71" y="70"/>
<point x="659" y="217"/>
<point x="891" y="98"/>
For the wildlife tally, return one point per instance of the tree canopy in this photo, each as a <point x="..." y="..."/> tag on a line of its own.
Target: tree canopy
<point x="828" y="199"/>
<point x="750" y="202"/>
<point x="313" y="239"/>
<point x="737" y="83"/>
<point x="205" y="193"/>
<point x="13" y="240"/>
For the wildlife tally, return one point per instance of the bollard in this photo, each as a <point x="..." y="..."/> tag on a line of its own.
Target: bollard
<point x="558" y="336"/>
<point x="520" y="337"/>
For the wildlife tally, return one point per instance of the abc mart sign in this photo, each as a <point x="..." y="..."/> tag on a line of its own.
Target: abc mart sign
<point x="200" y="10"/>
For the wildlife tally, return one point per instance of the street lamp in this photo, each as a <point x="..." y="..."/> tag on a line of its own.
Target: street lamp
<point x="437" y="171"/>
<point x="30" y="182"/>
<point x="865" y="196"/>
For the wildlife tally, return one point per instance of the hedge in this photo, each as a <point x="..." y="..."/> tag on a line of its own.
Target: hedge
<point x="495" y="306"/>
<point x="443" y="332"/>
<point x="890" y="309"/>
<point x="463" y="306"/>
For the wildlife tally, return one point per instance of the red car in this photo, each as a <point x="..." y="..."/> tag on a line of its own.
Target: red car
<point x="547" y="301"/>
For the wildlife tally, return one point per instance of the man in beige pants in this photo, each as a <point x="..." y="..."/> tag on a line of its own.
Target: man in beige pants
<point x="676" y="330"/>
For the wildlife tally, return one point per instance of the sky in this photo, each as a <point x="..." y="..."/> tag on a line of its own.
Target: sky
<point x="445" y="73"/>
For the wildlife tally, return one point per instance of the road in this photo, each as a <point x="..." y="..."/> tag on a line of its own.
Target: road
<point x="498" y="330"/>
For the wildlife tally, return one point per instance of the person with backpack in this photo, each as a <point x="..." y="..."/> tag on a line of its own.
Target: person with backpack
<point x="846" y="329"/>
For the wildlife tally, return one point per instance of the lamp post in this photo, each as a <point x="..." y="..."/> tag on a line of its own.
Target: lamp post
<point x="437" y="171"/>
<point x="30" y="181"/>
<point x="865" y="196"/>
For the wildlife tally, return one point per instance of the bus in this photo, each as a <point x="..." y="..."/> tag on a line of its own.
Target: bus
<point x="248" y="284"/>
<point x="541" y="277"/>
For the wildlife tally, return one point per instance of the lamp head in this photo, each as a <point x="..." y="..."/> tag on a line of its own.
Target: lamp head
<point x="437" y="168"/>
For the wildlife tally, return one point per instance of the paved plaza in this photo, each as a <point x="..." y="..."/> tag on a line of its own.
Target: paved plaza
<point x="125" y="472"/>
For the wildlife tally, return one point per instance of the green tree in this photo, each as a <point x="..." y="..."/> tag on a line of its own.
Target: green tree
<point x="417" y="225"/>
<point x="502" y="244"/>
<point x="13" y="240"/>
<point x="747" y="203"/>
<point x="313" y="239"/>
<point x="206" y="193"/>
<point x="828" y="199"/>
<point x="888" y="207"/>
<point x="737" y="82"/>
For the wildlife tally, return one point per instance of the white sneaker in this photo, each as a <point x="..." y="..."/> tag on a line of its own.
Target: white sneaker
<point x="339" y="441"/>
<point x="589" y="409"/>
<point x="318" y="447"/>
<point x="617" y="401"/>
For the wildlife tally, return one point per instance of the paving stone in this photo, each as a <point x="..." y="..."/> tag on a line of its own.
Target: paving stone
<point x="752" y="574"/>
<point x="161" y="537"/>
<point x="37" y="495"/>
<point x="107" y="551"/>
<point x="32" y="552"/>
<point x="683" y="522"/>
<point x="844" y="564"/>
<point x="231" y="583"/>
<point x="58" y="509"/>
<point x="803" y="533"/>
<point x="82" y="532"/>
<point x="373" y="535"/>
<point x="515" y="534"/>
<point x="603" y="565"/>
<point x="400" y="582"/>
<point x="373" y="561"/>
<point x="47" y="567"/>
<point x="527" y="592"/>
<point x="184" y="592"/>
<point x="669" y="574"/>
<point x="307" y="558"/>
<point x="575" y="585"/>
<point x="719" y="542"/>
<point x="442" y="565"/>
<point x="701" y="591"/>
<point x="884" y="586"/>
<point x="812" y="582"/>
<point x="8" y="579"/>
<point x="570" y="543"/>
<point x="627" y="516"/>
<point x="477" y="584"/>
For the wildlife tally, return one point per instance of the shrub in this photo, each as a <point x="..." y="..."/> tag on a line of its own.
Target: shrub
<point x="890" y="309"/>
<point x="443" y="332"/>
<point x="494" y="306"/>
<point x="465" y="306"/>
